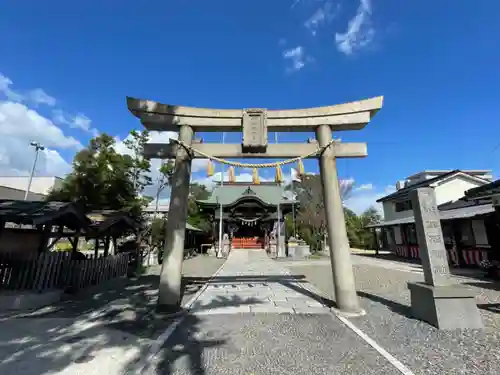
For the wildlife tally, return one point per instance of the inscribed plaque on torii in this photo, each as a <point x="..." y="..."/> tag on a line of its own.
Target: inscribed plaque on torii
<point x="254" y="124"/>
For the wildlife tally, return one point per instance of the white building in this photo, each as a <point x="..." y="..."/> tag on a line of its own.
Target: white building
<point x="153" y="211"/>
<point x="14" y="187"/>
<point x="449" y="186"/>
<point x="466" y="225"/>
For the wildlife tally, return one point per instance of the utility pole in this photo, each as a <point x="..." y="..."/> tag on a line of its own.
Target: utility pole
<point x="220" y="212"/>
<point x="38" y="147"/>
<point x="293" y="207"/>
<point x="278" y="229"/>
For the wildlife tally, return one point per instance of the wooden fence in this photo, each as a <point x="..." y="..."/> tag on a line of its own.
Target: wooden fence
<point x="57" y="270"/>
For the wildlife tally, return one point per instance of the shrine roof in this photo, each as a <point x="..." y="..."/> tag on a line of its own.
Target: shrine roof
<point x="229" y="194"/>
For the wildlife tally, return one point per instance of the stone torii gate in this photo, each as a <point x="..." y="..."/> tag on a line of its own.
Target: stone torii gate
<point x="255" y="125"/>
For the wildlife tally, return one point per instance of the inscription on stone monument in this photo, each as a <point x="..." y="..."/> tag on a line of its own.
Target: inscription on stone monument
<point x="430" y="237"/>
<point x="254" y="130"/>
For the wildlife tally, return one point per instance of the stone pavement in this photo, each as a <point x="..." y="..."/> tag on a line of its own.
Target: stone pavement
<point x="250" y="282"/>
<point x="257" y="317"/>
<point x="253" y="317"/>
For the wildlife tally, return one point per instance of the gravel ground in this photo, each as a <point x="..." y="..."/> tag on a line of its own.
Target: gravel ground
<point x="266" y="344"/>
<point x="426" y="350"/>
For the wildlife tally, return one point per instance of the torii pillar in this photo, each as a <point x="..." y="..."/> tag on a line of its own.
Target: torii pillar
<point x="255" y="124"/>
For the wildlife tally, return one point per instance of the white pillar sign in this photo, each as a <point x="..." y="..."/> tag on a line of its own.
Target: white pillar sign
<point x="430" y="237"/>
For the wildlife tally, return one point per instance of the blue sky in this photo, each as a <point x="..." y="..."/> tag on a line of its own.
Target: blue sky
<point x="435" y="62"/>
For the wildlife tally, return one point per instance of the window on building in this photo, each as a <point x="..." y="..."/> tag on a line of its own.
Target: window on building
<point x="403" y="206"/>
<point x="467" y="234"/>
<point x="447" y="232"/>
<point x="410" y="234"/>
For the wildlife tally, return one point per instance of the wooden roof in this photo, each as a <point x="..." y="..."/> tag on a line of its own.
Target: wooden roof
<point x="35" y="213"/>
<point x="269" y="195"/>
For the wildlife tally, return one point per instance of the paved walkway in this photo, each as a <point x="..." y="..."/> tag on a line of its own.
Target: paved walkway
<point x="253" y="317"/>
<point x="250" y="282"/>
<point x="257" y="317"/>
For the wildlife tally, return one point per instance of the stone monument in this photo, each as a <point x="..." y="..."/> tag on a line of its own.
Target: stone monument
<point x="281" y="249"/>
<point x="273" y="248"/>
<point x="226" y="245"/>
<point x="438" y="300"/>
<point x="298" y="249"/>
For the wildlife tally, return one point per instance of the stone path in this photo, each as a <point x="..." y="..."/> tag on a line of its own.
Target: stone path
<point x="257" y="317"/>
<point x="250" y="282"/>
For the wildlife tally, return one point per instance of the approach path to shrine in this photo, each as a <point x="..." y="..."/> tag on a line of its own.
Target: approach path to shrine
<point x="254" y="316"/>
<point x="250" y="282"/>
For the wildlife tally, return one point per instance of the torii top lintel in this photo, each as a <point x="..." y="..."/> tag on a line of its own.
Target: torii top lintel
<point x="165" y="117"/>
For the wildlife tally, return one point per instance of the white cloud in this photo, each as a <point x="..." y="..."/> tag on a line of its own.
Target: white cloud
<point x="19" y="125"/>
<point x="5" y="89"/>
<point x="323" y="15"/>
<point x="81" y="121"/>
<point x="78" y="121"/>
<point x="359" y="33"/>
<point x="19" y="121"/>
<point x="297" y="58"/>
<point x="35" y="96"/>
<point x="364" y="187"/>
<point x="362" y="199"/>
<point x="38" y="96"/>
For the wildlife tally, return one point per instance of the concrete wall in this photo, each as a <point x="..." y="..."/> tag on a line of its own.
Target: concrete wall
<point x="9" y="193"/>
<point x="454" y="189"/>
<point x="39" y="185"/>
<point x="447" y="190"/>
<point x="391" y="214"/>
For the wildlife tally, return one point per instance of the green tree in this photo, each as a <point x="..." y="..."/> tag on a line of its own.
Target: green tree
<point x="196" y="217"/>
<point x="311" y="220"/>
<point x="140" y="167"/>
<point x="164" y="179"/>
<point x="100" y="178"/>
<point x="359" y="235"/>
<point x="158" y="227"/>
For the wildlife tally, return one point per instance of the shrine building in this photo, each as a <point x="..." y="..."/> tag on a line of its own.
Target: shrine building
<point x="250" y="212"/>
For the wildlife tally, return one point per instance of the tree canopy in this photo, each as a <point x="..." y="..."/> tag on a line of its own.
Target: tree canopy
<point x="311" y="221"/>
<point x="104" y="179"/>
<point x="195" y="216"/>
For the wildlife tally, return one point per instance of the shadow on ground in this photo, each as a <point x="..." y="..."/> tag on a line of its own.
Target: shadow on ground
<point x="492" y="285"/>
<point x="397" y="307"/>
<point x="185" y="343"/>
<point x="294" y="282"/>
<point x="119" y="320"/>
<point x="47" y="343"/>
<point x="391" y="257"/>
